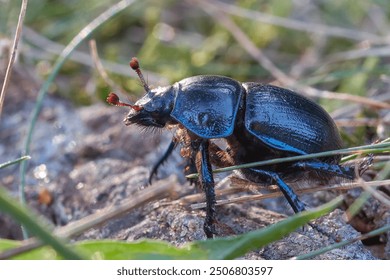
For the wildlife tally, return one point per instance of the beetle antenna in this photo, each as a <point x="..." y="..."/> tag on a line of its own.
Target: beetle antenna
<point x="113" y="99"/>
<point x="134" y="64"/>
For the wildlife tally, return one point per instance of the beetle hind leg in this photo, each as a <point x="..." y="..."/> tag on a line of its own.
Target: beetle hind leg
<point x="348" y="172"/>
<point x="292" y="198"/>
<point x="323" y="167"/>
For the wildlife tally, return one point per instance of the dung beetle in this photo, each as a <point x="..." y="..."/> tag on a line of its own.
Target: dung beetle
<point x="258" y="122"/>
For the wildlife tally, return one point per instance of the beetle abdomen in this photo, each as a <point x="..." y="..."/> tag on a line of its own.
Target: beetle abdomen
<point x="207" y="105"/>
<point x="288" y="121"/>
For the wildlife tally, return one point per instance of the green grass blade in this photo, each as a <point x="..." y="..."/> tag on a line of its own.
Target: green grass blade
<point x="139" y="250"/>
<point x="12" y="162"/>
<point x="219" y="248"/>
<point x="234" y="247"/>
<point x="145" y="249"/>
<point x="10" y="206"/>
<point x="374" y="148"/>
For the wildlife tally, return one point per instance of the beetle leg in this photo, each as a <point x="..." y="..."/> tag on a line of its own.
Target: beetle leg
<point x="207" y="182"/>
<point x="365" y="163"/>
<point x="292" y="198"/>
<point x="167" y="153"/>
<point x="290" y="195"/>
<point x="334" y="169"/>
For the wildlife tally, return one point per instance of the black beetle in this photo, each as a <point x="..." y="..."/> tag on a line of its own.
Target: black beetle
<point x="258" y="121"/>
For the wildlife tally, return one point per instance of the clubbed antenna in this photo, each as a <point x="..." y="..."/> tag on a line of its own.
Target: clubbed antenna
<point x="134" y="64"/>
<point x="113" y="99"/>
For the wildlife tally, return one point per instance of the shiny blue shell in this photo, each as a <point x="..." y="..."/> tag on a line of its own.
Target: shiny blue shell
<point x="207" y="105"/>
<point x="288" y="121"/>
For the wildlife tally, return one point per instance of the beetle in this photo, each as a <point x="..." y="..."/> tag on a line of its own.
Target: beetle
<point x="258" y="122"/>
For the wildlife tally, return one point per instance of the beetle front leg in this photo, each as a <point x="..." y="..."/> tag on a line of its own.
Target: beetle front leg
<point x="207" y="182"/>
<point x="166" y="155"/>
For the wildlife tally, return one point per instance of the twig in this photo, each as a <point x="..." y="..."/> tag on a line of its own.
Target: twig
<point x="355" y="207"/>
<point x="361" y="122"/>
<point x="381" y="198"/>
<point x="350" y="110"/>
<point x="50" y="47"/>
<point x="100" y="68"/>
<point x="360" y="53"/>
<point x="11" y="61"/>
<point x="155" y="192"/>
<point x="278" y="74"/>
<point x="161" y="189"/>
<point x="310" y="27"/>
<point x="278" y="193"/>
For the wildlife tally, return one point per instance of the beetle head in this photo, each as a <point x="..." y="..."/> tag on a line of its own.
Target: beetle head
<point x="153" y="109"/>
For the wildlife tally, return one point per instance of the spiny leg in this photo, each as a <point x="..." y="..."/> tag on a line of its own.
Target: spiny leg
<point x="296" y="204"/>
<point x="167" y="153"/>
<point x="288" y="193"/>
<point x="207" y="182"/>
<point x="333" y="169"/>
<point x="348" y="172"/>
<point x="336" y="170"/>
<point x="365" y="163"/>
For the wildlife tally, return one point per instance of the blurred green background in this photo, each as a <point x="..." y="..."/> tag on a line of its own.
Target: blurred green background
<point x="177" y="39"/>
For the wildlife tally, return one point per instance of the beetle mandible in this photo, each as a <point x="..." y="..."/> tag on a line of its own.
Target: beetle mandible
<point x="258" y="122"/>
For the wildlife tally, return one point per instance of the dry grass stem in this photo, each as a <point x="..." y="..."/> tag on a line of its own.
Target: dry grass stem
<point x="310" y="27"/>
<point x="49" y="49"/>
<point x="100" y="68"/>
<point x="14" y="50"/>
<point x="277" y="193"/>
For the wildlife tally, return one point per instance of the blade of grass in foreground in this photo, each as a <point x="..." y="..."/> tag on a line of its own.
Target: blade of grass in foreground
<point x="219" y="248"/>
<point x="22" y="215"/>
<point x="234" y="247"/>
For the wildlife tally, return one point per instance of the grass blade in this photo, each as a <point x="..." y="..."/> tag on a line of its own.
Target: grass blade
<point x="233" y="247"/>
<point x="15" y="161"/>
<point x="374" y="148"/>
<point x="24" y="216"/>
